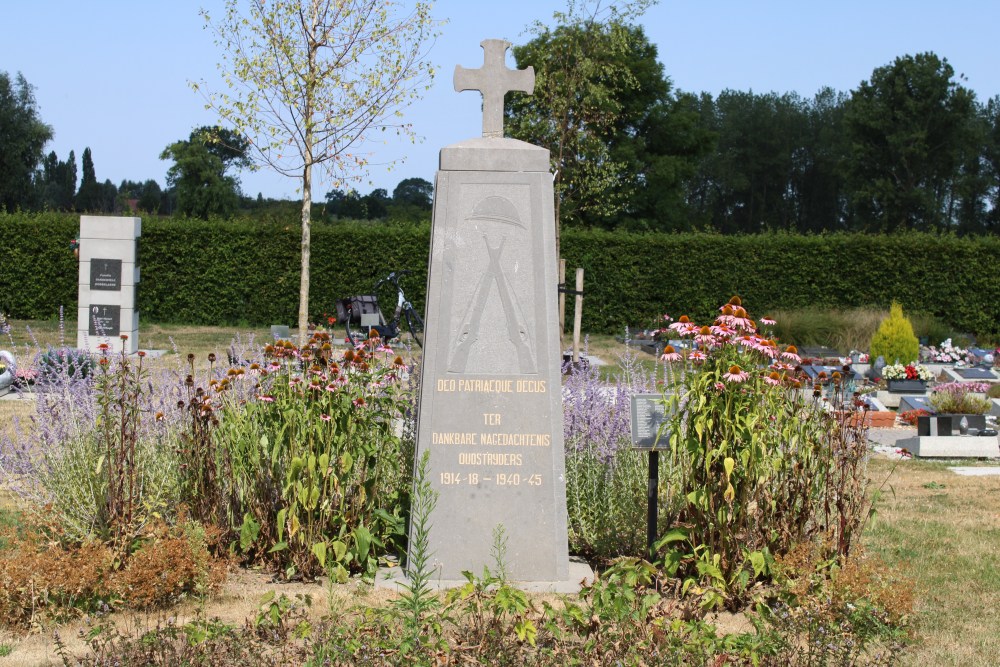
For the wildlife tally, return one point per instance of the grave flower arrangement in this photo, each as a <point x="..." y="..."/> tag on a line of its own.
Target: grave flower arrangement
<point x="957" y="398"/>
<point x="947" y="353"/>
<point x="907" y="372"/>
<point x="25" y="377"/>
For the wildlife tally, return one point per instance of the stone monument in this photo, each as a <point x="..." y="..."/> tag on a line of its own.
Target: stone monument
<point x="109" y="274"/>
<point x="490" y="394"/>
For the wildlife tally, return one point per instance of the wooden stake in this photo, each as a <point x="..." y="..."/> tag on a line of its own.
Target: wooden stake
<point x="577" y="316"/>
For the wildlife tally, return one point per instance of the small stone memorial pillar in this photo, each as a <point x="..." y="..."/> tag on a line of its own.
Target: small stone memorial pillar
<point x="490" y="394"/>
<point x="109" y="273"/>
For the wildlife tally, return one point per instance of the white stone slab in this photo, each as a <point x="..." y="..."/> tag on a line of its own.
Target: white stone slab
<point x="109" y="227"/>
<point x="891" y="399"/>
<point x="952" y="446"/>
<point x="122" y="249"/>
<point x="980" y="471"/>
<point x="125" y="298"/>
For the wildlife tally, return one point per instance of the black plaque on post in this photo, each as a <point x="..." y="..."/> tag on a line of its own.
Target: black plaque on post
<point x="648" y="412"/>
<point x="105" y="320"/>
<point x="106" y="274"/>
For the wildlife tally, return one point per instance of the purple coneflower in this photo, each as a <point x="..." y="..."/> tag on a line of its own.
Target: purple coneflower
<point x="736" y="374"/>
<point x="670" y="354"/>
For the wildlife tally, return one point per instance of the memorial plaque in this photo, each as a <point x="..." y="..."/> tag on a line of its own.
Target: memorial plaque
<point x="976" y="373"/>
<point x="106" y="274"/>
<point x="491" y="392"/>
<point x="105" y="320"/>
<point x="649" y="411"/>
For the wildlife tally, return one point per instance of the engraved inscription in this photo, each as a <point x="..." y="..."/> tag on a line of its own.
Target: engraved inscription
<point x="105" y="320"/>
<point x="649" y="411"/>
<point x="106" y="274"/>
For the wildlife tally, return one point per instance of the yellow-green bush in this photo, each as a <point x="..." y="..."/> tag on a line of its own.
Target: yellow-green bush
<point x="894" y="340"/>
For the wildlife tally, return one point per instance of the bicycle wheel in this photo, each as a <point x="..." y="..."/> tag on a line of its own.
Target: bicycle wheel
<point x="355" y="336"/>
<point x="415" y="324"/>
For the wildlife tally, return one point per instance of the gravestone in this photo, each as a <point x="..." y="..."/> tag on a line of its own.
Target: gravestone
<point x="974" y="374"/>
<point x="907" y="403"/>
<point x="490" y="396"/>
<point x="109" y="274"/>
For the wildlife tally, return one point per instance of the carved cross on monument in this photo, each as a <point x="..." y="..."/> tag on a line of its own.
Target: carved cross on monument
<point x="494" y="80"/>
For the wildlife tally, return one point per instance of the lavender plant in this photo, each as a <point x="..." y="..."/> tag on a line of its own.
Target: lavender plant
<point x="92" y="452"/>
<point x="605" y="477"/>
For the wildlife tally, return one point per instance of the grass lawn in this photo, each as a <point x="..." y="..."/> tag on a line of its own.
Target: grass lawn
<point x="941" y="529"/>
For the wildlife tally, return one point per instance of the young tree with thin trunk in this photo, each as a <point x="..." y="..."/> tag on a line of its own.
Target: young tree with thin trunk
<point x="311" y="81"/>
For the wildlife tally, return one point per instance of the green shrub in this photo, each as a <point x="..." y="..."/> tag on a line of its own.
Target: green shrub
<point x="994" y="391"/>
<point x="895" y="341"/>
<point x="250" y="269"/>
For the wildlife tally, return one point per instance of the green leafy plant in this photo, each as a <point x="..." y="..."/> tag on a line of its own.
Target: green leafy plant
<point x="418" y="605"/>
<point x="894" y="340"/>
<point x="494" y="611"/>
<point x="316" y="460"/>
<point x="759" y="463"/>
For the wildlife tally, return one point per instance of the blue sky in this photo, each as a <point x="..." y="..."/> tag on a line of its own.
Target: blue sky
<point x="112" y="74"/>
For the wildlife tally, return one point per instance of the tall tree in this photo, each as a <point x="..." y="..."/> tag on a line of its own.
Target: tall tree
<point x="579" y="86"/>
<point x="22" y="139"/>
<point x="200" y="175"/>
<point x="89" y="196"/>
<point x="312" y="80"/>
<point x="907" y="126"/>
<point x="417" y="192"/>
<point x="57" y="182"/>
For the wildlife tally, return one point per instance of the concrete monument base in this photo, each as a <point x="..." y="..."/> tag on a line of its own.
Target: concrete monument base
<point x="580" y="574"/>
<point x="952" y="446"/>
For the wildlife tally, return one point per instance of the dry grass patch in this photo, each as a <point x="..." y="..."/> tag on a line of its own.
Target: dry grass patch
<point x="943" y="530"/>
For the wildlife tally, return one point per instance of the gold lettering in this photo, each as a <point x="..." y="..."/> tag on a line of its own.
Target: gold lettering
<point x="453" y="438"/>
<point x="531" y="386"/>
<point x="489" y="459"/>
<point x="491" y="418"/>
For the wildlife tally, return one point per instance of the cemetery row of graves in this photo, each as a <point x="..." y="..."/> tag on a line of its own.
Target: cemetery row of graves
<point x="139" y="482"/>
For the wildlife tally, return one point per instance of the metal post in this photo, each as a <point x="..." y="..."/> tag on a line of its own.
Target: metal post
<point x="652" y="491"/>
<point x="577" y="317"/>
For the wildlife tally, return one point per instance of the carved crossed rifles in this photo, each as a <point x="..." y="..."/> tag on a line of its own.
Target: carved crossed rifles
<point x="517" y="331"/>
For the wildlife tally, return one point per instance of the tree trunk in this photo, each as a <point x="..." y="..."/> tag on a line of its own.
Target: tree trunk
<point x="304" y="281"/>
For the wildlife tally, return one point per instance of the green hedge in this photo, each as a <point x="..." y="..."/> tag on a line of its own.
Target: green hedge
<point x="232" y="273"/>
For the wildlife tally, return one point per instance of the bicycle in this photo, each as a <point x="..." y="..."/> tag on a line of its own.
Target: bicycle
<point x="361" y="314"/>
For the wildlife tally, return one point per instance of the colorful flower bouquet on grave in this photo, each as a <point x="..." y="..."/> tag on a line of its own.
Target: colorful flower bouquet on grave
<point x="947" y="353"/>
<point x="907" y="372"/>
<point x="25" y="377"/>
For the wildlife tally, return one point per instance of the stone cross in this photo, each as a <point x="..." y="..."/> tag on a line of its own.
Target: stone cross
<point x="494" y="80"/>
